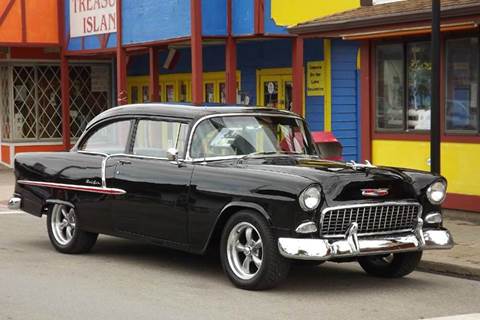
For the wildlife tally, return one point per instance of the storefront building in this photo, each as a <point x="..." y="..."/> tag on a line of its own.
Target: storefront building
<point x="395" y="68"/>
<point x="98" y="54"/>
<point x="30" y="81"/>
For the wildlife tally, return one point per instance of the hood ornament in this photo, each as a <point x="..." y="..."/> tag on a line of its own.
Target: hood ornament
<point x="375" y="193"/>
<point x="358" y="166"/>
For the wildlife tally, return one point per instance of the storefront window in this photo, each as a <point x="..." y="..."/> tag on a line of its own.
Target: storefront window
<point x="419" y="85"/>
<point x="30" y="103"/>
<point x="390" y="87"/>
<point x="404" y="87"/>
<point x="462" y="85"/>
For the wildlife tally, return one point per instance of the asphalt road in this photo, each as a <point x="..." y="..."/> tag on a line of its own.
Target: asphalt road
<point x="129" y="280"/>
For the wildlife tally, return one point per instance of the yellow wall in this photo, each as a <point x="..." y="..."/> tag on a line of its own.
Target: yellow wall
<point x="288" y="12"/>
<point x="459" y="161"/>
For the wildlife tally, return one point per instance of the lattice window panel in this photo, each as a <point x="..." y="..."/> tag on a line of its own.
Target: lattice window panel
<point x="84" y="103"/>
<point x="24" y="103"/>
<point x="5" y="115"/>
<point x="49" y="102"/>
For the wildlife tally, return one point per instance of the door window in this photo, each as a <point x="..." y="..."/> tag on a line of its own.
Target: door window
<point x="109" y="139"/>
<point x="154" y="138"/>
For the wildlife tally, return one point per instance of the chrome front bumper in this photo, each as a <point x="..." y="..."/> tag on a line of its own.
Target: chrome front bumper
<point x="352" y="246"/>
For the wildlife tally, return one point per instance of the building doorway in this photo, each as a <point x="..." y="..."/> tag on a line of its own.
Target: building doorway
<point x="275" y="88"/>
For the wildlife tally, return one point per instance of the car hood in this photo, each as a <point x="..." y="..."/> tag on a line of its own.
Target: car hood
<point x="342" y="181"/>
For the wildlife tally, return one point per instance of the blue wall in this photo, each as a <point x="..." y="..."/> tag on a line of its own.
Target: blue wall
<point x="345" y="116"/>
<point x="314" y="111"/>
<point x="152" y="20"/>
<point x="254" y="55"/>
<point x="270" y="25"/>
<point x="243" y="17"/>
<point x="214" y="17"/>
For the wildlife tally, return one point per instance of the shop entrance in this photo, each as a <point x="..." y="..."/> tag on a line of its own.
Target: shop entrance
<point x="178" y="88"/>
<point x="275" y="88"/>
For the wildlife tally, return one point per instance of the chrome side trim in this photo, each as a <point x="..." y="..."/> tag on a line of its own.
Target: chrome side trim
<point x="73" y="187"/>
<point x="370" y="205"/>
<point x="322" y="250"/>
<point x="219" y="115"/>
<point x="15" y="203"/>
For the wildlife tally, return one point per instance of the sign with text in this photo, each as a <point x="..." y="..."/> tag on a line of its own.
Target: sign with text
<point x="315" y="78"/>
<point x="91" y="17"/>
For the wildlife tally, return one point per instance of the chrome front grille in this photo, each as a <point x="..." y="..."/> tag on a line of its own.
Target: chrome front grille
<point x="372" y="219"/>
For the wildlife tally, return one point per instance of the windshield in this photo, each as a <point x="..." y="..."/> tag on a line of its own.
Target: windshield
<point x="244" y="135"/>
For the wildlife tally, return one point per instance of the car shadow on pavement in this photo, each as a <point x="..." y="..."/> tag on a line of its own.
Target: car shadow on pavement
<point x="328" y="279"/>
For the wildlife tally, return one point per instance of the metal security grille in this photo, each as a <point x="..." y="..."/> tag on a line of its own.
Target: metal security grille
<point x="5" y="89"/>
<point x="85" y="104"/>
<point x="49" y="102"/>
<point x="371" y="219"/>
<point x="31" y="105"/>
<point x="24" y="103"/>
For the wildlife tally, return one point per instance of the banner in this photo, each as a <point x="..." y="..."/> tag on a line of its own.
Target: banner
<point x="91" y="17"/>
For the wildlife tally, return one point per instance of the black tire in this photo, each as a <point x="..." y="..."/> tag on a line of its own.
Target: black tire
<point x="400" y="265"/>
<point x="273" y="268"/>
<point x="80" y="241"/>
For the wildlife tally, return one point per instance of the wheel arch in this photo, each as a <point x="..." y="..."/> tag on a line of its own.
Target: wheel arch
<point x="49" y="202"/>
<point x="228" y="211"/>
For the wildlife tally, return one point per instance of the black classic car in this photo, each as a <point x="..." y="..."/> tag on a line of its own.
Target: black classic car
<point x="248" y="180"/>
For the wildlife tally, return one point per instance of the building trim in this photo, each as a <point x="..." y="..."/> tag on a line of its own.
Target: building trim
<point x="462" y="202"/>
<point x="365" y="104"/>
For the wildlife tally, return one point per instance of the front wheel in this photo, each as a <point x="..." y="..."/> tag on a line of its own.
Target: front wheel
<point x="64" y="233"/>
<point x="249" y="253"/>
<point x="392" y="265"/>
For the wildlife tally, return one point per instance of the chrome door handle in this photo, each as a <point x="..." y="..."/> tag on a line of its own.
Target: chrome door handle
<point x="124" y="162"/>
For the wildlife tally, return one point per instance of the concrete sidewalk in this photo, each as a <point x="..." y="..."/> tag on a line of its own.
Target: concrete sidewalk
<point x="7" y="181"/>
<point x="463" y="260"/>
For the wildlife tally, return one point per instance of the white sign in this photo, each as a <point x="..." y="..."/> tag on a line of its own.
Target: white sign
<point x="91" y="17"/>
<point x="100" y="78"/>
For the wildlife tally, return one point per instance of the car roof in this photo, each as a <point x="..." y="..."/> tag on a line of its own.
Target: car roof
<point x="180" y="110"/>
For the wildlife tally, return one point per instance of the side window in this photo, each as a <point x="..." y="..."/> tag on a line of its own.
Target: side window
<point x="109" y="139"/>
<point x="154" y="138"/>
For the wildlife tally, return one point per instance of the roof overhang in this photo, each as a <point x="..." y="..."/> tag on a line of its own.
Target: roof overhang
<point x="418" y="22"/>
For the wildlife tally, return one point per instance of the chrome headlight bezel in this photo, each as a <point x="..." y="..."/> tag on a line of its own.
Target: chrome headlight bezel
<point x="437" y="192"/>
<point x="310" y="198"/>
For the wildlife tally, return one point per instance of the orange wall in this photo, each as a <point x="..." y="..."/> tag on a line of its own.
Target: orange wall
<point x="6" y="154"/>
<point x="41" y="20"/>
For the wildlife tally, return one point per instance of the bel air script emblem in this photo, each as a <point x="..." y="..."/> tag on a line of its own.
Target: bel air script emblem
<point x="375" y="192"/>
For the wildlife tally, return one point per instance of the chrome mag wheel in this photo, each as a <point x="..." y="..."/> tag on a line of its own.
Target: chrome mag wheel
<point x="63" y="223"/>
<point x="245" y="250"/>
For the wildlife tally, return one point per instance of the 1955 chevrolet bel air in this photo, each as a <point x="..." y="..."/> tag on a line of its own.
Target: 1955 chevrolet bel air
<point x="247" y="179"/>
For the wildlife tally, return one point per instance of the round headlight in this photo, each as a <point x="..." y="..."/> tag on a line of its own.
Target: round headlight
<point x="310" y="198"/>
<point x="437" y="192"/>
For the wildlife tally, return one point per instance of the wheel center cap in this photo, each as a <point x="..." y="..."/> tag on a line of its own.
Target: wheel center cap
<point x="248" y="251"/>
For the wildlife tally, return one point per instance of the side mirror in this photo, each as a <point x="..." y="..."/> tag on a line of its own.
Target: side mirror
<point x="172" y="154"/>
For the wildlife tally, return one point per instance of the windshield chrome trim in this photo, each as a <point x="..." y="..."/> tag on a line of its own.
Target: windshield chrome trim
<point x="221" y="115"/>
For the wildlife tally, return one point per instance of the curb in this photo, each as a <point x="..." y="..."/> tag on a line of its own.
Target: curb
<point x="450" y="269"/>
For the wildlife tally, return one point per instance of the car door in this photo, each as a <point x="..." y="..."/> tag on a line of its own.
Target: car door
<point x="156" y="199"/>
<point x="86" y="168"/>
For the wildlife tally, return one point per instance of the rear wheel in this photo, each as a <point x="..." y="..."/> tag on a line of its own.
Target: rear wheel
<point x="392" y="265"/>
<point x="63" y="231"/>
<point x="249" y="253"/>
